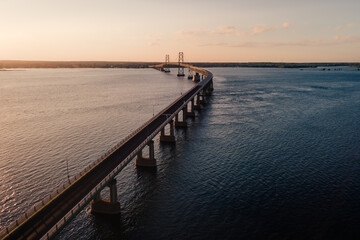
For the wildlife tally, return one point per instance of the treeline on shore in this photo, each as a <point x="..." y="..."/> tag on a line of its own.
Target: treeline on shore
<point x="276" y="65"/>
<point x="72" y="64"/>
<point x="4" y="64"/>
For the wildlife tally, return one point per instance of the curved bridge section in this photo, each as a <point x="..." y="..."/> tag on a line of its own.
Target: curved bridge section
<point x="49" y="216"/>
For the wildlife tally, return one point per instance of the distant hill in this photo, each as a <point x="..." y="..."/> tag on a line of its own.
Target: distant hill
<point x="4" y="64"/>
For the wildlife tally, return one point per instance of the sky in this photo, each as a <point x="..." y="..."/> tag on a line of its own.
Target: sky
<point x="205" y="30"/>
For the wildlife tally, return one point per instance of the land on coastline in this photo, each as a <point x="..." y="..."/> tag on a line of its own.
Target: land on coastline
<point x="6" y="64"/>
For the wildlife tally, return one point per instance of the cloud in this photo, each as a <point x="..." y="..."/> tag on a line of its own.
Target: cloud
<point x="153" y="40"/>
<point x="261" y="28"/>
<point x="346" y="39"/>
<point x="193" y="33"/>
<point x="245" y="44"/>
<point x="286" y="25"/>
<point x="349" y="25"/>
<point x="223" y="44"/>
<point x="301" y="43"/>
<point x="229" y="30"/>
<point x="154" y="43"/>
<point x="216" y="44"/>
<point x="221" y="30"/>
<point x="337" y="40"/>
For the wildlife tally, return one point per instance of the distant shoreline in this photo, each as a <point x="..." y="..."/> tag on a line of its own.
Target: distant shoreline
<point x="13" y="64"/>
<point x="10" y="70"/>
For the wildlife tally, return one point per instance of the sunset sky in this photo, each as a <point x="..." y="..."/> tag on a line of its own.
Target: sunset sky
<point x="205" y="30"/>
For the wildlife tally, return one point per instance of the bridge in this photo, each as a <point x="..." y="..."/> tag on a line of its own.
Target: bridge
<point x="48" y="217"/>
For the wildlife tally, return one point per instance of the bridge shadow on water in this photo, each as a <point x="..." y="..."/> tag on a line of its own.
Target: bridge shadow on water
<point x="109" y="227"/>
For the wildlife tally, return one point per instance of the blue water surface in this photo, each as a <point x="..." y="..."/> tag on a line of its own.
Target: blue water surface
<point x="274" y="154"/>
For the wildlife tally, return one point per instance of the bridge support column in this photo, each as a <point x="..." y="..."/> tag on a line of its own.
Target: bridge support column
<point x="183" y="122"/>
<point x="168" y="138"/>
<point x="208" y="91"/>
<point x="209" y="88"/>
<point x="108" y="207"/>
<point x="197" y="102"/>
<point x="149" y="161"/>
<point x="191" y="113"/>
<point x="202" y="97"/>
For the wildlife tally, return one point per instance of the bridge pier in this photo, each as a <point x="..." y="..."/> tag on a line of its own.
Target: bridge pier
<point x="149" y="161"/>
<point x="183" y="122"/>
<point x="209" y="88"/>
<point x="197" y="102"/>
<point x="168" y="138"/>
<point x="211" y="85"/>
<point x="191" y="113"/>
<point x="208" y="92"/>
<point x="202" y="98"/>
<point x="108" y="207"/>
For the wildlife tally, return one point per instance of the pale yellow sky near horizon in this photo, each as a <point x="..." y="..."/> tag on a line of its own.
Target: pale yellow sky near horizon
<point x="213" y="31"/>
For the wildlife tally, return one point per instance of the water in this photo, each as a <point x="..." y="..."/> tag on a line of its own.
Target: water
<point x="274" y="155"/>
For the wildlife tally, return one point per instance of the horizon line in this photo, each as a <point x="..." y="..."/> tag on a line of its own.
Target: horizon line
<point x="125" y="61"/>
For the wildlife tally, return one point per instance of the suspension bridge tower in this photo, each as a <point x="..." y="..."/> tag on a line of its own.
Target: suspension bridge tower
<point x="181" y="68"/>
<point x="167" y="62"/>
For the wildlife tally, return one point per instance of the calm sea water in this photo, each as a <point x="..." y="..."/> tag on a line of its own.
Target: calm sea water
<point x="275" y="154"/>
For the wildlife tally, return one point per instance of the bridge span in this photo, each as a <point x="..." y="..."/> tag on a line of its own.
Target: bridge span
<point x="50" y="215"/>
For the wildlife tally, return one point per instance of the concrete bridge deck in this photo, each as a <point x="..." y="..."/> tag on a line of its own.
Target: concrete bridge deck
<point x="48" y="217"/>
